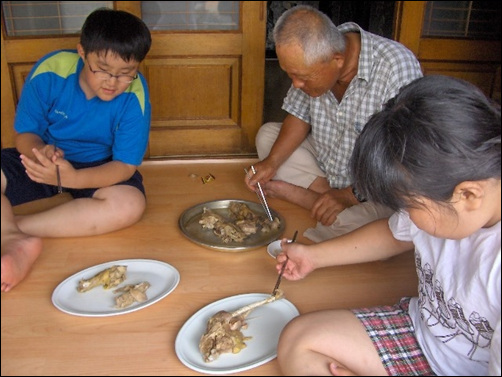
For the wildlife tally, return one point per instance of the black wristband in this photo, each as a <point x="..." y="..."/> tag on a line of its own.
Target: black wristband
<point x="357" y="195"/>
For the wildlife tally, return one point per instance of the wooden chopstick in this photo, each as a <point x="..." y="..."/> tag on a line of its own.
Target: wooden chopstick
<point x="283" y="268"/>
<point x="60" y="188"/>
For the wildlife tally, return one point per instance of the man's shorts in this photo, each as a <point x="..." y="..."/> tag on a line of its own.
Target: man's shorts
<point x="21" y="189"/>
<point x="393" y="335"/>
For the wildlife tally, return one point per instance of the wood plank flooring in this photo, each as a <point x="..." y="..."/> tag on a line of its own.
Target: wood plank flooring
<point x="38" y="339"/>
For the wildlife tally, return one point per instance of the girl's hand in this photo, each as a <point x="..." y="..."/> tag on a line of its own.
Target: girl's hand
<point x="299" y="263"/>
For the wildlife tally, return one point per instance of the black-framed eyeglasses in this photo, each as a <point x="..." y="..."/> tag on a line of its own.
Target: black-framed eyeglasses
<point x="104" y="76"/>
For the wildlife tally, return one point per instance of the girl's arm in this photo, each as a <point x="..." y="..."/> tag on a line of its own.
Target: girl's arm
<point x="371" y="242"/>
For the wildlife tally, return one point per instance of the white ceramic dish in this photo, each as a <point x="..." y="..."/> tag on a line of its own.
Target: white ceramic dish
<point x="274" y="248"/>
<point x="98" y="302"/>
<point x="265" y="324"/>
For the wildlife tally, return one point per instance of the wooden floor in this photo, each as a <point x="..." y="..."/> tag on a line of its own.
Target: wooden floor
<point x="38" y="339"/>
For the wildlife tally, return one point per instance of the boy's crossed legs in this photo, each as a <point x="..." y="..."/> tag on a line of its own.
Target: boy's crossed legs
<point x="111" y="208"/>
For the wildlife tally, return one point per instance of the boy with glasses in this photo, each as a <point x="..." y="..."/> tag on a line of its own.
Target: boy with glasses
<point x="82" y="122"/>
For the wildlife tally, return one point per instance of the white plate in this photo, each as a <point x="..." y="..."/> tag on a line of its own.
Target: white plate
<point x="99" y="302"/>
<point x="265" y="324"/>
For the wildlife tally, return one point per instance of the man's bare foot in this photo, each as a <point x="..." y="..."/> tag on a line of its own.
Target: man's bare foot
<point x="291" y="193"/>
<point x="18" y="255"/>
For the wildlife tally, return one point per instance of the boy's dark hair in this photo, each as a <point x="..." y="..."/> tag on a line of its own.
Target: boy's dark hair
<point x="122" y="33"/>
<point x="437" y="132"/>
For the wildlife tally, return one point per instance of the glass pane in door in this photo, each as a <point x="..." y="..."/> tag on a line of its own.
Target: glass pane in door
<point x="191" y="15"/>
<point x="462" y="19"/>
<point x="23" y="18"/>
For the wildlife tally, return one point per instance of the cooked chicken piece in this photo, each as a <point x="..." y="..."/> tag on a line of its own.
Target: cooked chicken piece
<point x="209" y="218"/>
<point x="229" y="232"/>
<point x="240" y="211"/>
<point x="249" y="221"/>
<point x="223" y="331"/>
<point x="130" y="294"/>
<point x="247" y="226"/>
<point x="223" y="335"/>
<point x="268" y="226"/>
<point x="108" y="278"/>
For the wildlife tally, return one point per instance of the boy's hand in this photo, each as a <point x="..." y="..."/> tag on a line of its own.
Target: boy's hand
<point x="54" y="152"/>
<point x="43" y="169"/>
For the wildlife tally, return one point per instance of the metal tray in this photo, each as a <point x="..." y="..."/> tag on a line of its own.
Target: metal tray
<point x="189" y="225"/>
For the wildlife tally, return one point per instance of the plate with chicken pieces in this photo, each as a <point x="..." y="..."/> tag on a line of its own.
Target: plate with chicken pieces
<point x="116" y="287"/>
<point x="231" y="225"/>
<point x="234" y="334"/>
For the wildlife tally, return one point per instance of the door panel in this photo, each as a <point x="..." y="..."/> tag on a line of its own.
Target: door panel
<point x="188" y="90"/>
<point x="18" y="56"/>
<point x="195" y="106"/>
<point x="19" y="74"/>
<point x="481" y="75"/>
<point x="474" y="60"/>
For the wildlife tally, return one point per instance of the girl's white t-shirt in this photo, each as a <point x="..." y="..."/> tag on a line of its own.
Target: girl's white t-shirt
<point x="457" y="312"/>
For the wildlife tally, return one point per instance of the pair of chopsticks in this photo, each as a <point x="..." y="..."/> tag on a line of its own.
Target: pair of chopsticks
<point x="60" y="188"/>
<point x="283" y="268"/>
<point x="261" y="196"/>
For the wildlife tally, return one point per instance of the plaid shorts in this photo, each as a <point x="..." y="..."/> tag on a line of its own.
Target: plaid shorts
<point x="392" y="332"/>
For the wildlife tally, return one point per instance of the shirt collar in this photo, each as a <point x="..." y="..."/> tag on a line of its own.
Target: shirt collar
<point x="365" y="55"/>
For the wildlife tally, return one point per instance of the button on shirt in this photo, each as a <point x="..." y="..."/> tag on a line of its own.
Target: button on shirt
<point x="384" y="67"/>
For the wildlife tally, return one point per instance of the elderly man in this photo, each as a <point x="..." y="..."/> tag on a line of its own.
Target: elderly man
<point x="340" y="77"/>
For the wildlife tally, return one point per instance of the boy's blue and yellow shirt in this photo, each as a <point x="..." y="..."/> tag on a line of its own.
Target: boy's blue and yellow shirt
<point x="54" y="106"/>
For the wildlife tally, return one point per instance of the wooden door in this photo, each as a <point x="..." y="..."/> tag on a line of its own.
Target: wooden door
<point x="476" y="60"/>
<point x="206" y="88"/>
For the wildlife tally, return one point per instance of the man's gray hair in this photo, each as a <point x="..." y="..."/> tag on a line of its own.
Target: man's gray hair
<point x="312" y="30"/>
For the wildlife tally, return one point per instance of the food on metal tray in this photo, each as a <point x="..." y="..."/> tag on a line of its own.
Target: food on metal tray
<point x="227" y="231"/>
<point x="241" y="223"/>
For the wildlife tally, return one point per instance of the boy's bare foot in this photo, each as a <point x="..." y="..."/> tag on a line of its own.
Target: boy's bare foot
<point x="18" y="255"/>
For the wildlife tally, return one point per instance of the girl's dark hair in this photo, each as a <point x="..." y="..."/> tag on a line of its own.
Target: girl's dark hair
<point x="437" y="132"/>
<point x="122" y="33"/>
